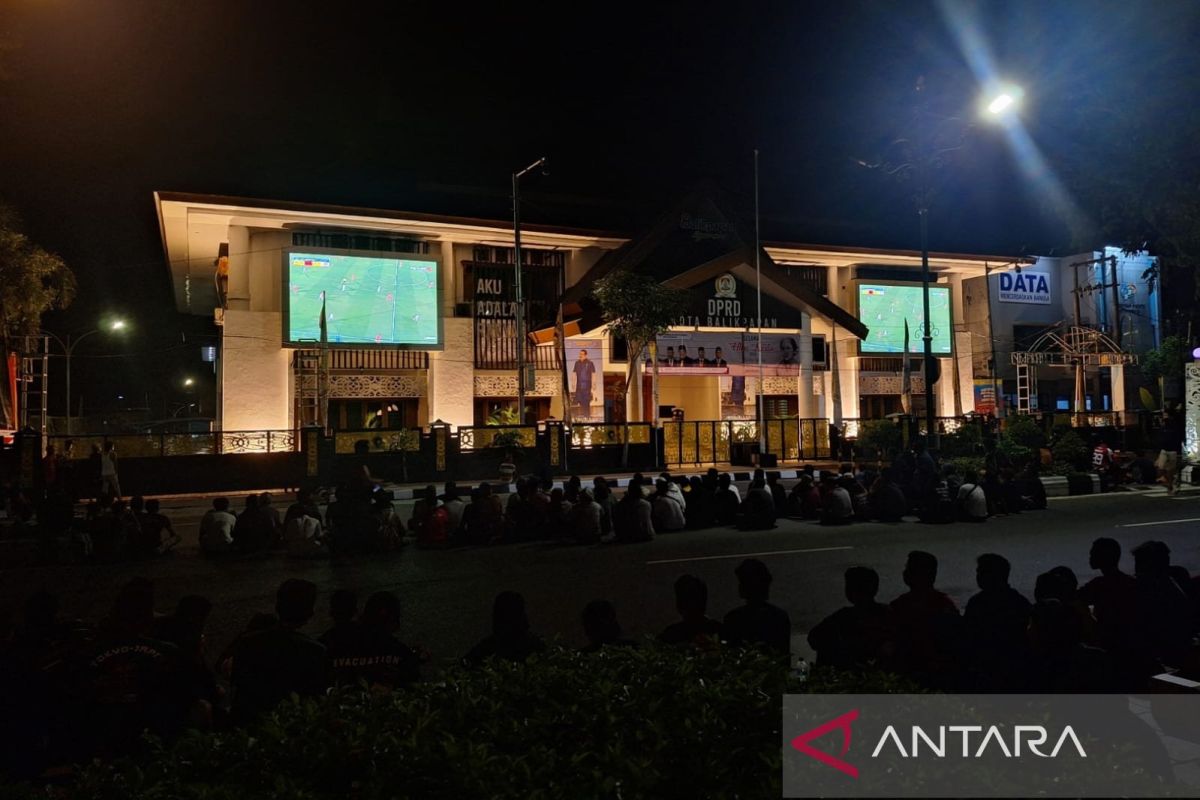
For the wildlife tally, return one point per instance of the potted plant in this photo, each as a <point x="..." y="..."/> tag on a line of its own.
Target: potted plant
<point x="510" y="440"/>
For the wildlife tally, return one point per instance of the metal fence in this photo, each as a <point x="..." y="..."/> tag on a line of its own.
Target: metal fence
<point x="143" y="445"/>
<point x="599" y="435"/>
<point x="471" y="437"/>
<point x="717" y="441"/>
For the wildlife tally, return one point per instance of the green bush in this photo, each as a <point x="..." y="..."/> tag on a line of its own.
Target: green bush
<point x="965" y="464"/>
<point x="1070" y="450"/>
<point x="879" y="438"/>
<point x="1021" y="439"/>
<point x="966" y="441"/>
<point x="627" y="722"/>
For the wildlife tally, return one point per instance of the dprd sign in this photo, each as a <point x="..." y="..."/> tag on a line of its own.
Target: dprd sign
<point x="1025" y="287"/>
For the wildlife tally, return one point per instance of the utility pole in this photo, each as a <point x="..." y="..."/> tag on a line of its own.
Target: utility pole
<point x="518" y="290"/>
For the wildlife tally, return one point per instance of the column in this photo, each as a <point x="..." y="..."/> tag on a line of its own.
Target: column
<point x="1116" y="377"/>
<point x="805" y="406"/>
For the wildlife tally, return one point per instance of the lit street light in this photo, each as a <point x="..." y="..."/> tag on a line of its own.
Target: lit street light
<point x="69" y="346"/>
<point x="1003" y="102"/>
<point x="189" y="381"/>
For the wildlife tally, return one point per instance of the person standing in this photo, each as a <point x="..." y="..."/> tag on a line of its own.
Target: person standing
<point x="1170" y="444"/>
<point x="109" y="485"/>
<point x="584" y="371"/>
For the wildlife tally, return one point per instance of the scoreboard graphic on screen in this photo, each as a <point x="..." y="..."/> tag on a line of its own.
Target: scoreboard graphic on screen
<point x="883" y="308"/>
<point x="370" y="299"/>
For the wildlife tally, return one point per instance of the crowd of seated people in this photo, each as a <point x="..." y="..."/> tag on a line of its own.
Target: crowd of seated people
<point x="916" y="485"/>
<point x="355" y="521"/>
<point x="1110" y="635"/>
<point x="75" y="690"/>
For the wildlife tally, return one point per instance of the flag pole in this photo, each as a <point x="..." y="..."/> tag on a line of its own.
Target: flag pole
<point x="323" y="372"/>
<point x="762" y="430"/>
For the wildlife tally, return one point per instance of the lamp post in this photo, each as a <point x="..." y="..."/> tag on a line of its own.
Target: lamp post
<point x="1003" y="102"/>
<point x="69" y="346"/>
<point x="518" y="291"/>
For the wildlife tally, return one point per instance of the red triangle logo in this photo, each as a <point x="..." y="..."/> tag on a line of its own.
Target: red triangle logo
<point x="841" y="723"/>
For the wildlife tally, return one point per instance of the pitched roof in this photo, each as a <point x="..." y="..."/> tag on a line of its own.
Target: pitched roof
<point x="698" y="239"/>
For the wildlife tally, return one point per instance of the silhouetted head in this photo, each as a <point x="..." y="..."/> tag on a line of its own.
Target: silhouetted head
<point x="691" y="596"/>
<point x="382" y="612"/>
<point x="760" y="475"/>
<point x="992" y="571"/>
<point x="600" y="622"/>
<point x="251" y="502"/>
<point x="137" y="503"/>
<point x="450" y="490"/>
<point x="485" y="490"/>
<point x="1105" y="554"/>
<point x="660" y="486"/>
<point x="343" y="605"/>
<point x="724" y="480"/>
<point x="1051" y="586"/>
<point x="599" y="481"/>
<point x="264" y="500"/>
<point x="295" y="602"/>
<point x="758" y="483"/>
<point x="1151" y="559"/>
<point x="508" y="615"/>
<point x="920" y="571"/>
<point x="1066" y="576"/>
<point x="696" y="484"/>
<point x="557" y="496"/>
<point x="754" y="580"/>
<point x="430" y="494"/>
<point x="152" y="506"/>
<point x="862" y="584"/>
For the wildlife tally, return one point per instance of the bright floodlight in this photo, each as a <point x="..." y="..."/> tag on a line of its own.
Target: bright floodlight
<point x="189" y="381"/>
<point x="1001" y="103"/>
<point x="118" y="324"/>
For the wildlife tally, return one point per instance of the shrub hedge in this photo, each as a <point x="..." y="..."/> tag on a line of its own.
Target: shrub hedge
<point x="626" y="722"/>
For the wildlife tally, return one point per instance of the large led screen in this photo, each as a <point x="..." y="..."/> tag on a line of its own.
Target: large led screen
<point x="883" y="308"/>
<point x="369" y="299"/>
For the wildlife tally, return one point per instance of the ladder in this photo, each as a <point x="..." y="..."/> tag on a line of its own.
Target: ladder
<point x="306" y="366"/>
<point x="34" y="382"/>
<point x="1026" y="389"/>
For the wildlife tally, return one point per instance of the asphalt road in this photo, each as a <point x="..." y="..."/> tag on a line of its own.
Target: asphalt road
<point x="447" y="594"/>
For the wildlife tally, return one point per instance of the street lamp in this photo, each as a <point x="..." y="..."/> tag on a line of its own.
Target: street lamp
<point x="188" y="382"/>
<point x="999" y="104"/>
<point x="520" y="296"/>
<point x="69" y="346"/>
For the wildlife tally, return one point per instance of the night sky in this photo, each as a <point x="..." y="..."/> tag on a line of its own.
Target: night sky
<point x="431" y="107"/>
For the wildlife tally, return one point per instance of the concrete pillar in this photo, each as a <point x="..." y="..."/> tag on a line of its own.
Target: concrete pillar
<point x="805" y="405"/>
<point x="451" y="379"/>
<point x="1117" y="380"/>
<point x="239" y="267"/>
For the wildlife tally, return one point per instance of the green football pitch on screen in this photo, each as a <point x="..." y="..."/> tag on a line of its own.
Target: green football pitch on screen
<point x="369" y="300"/>
<point x="884" y="308"/>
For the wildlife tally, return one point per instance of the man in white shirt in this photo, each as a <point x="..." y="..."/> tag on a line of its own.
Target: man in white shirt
<point x="972" y="500"/>
<point x="216" y="528"/>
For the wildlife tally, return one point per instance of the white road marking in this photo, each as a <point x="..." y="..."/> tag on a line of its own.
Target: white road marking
<point x="749" y="555"/>
<point x="1159" y="522"/>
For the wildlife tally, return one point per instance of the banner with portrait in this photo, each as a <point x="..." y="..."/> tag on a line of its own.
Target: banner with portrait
<point x="731" y="353"/>
<point x="585" y="379"/>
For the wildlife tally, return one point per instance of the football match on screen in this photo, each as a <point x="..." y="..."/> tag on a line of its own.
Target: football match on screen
<point x="368" y="300"/>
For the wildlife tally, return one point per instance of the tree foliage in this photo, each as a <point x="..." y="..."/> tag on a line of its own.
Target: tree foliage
<point x="637" y="308"/>
<point x="34" y="281"/>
